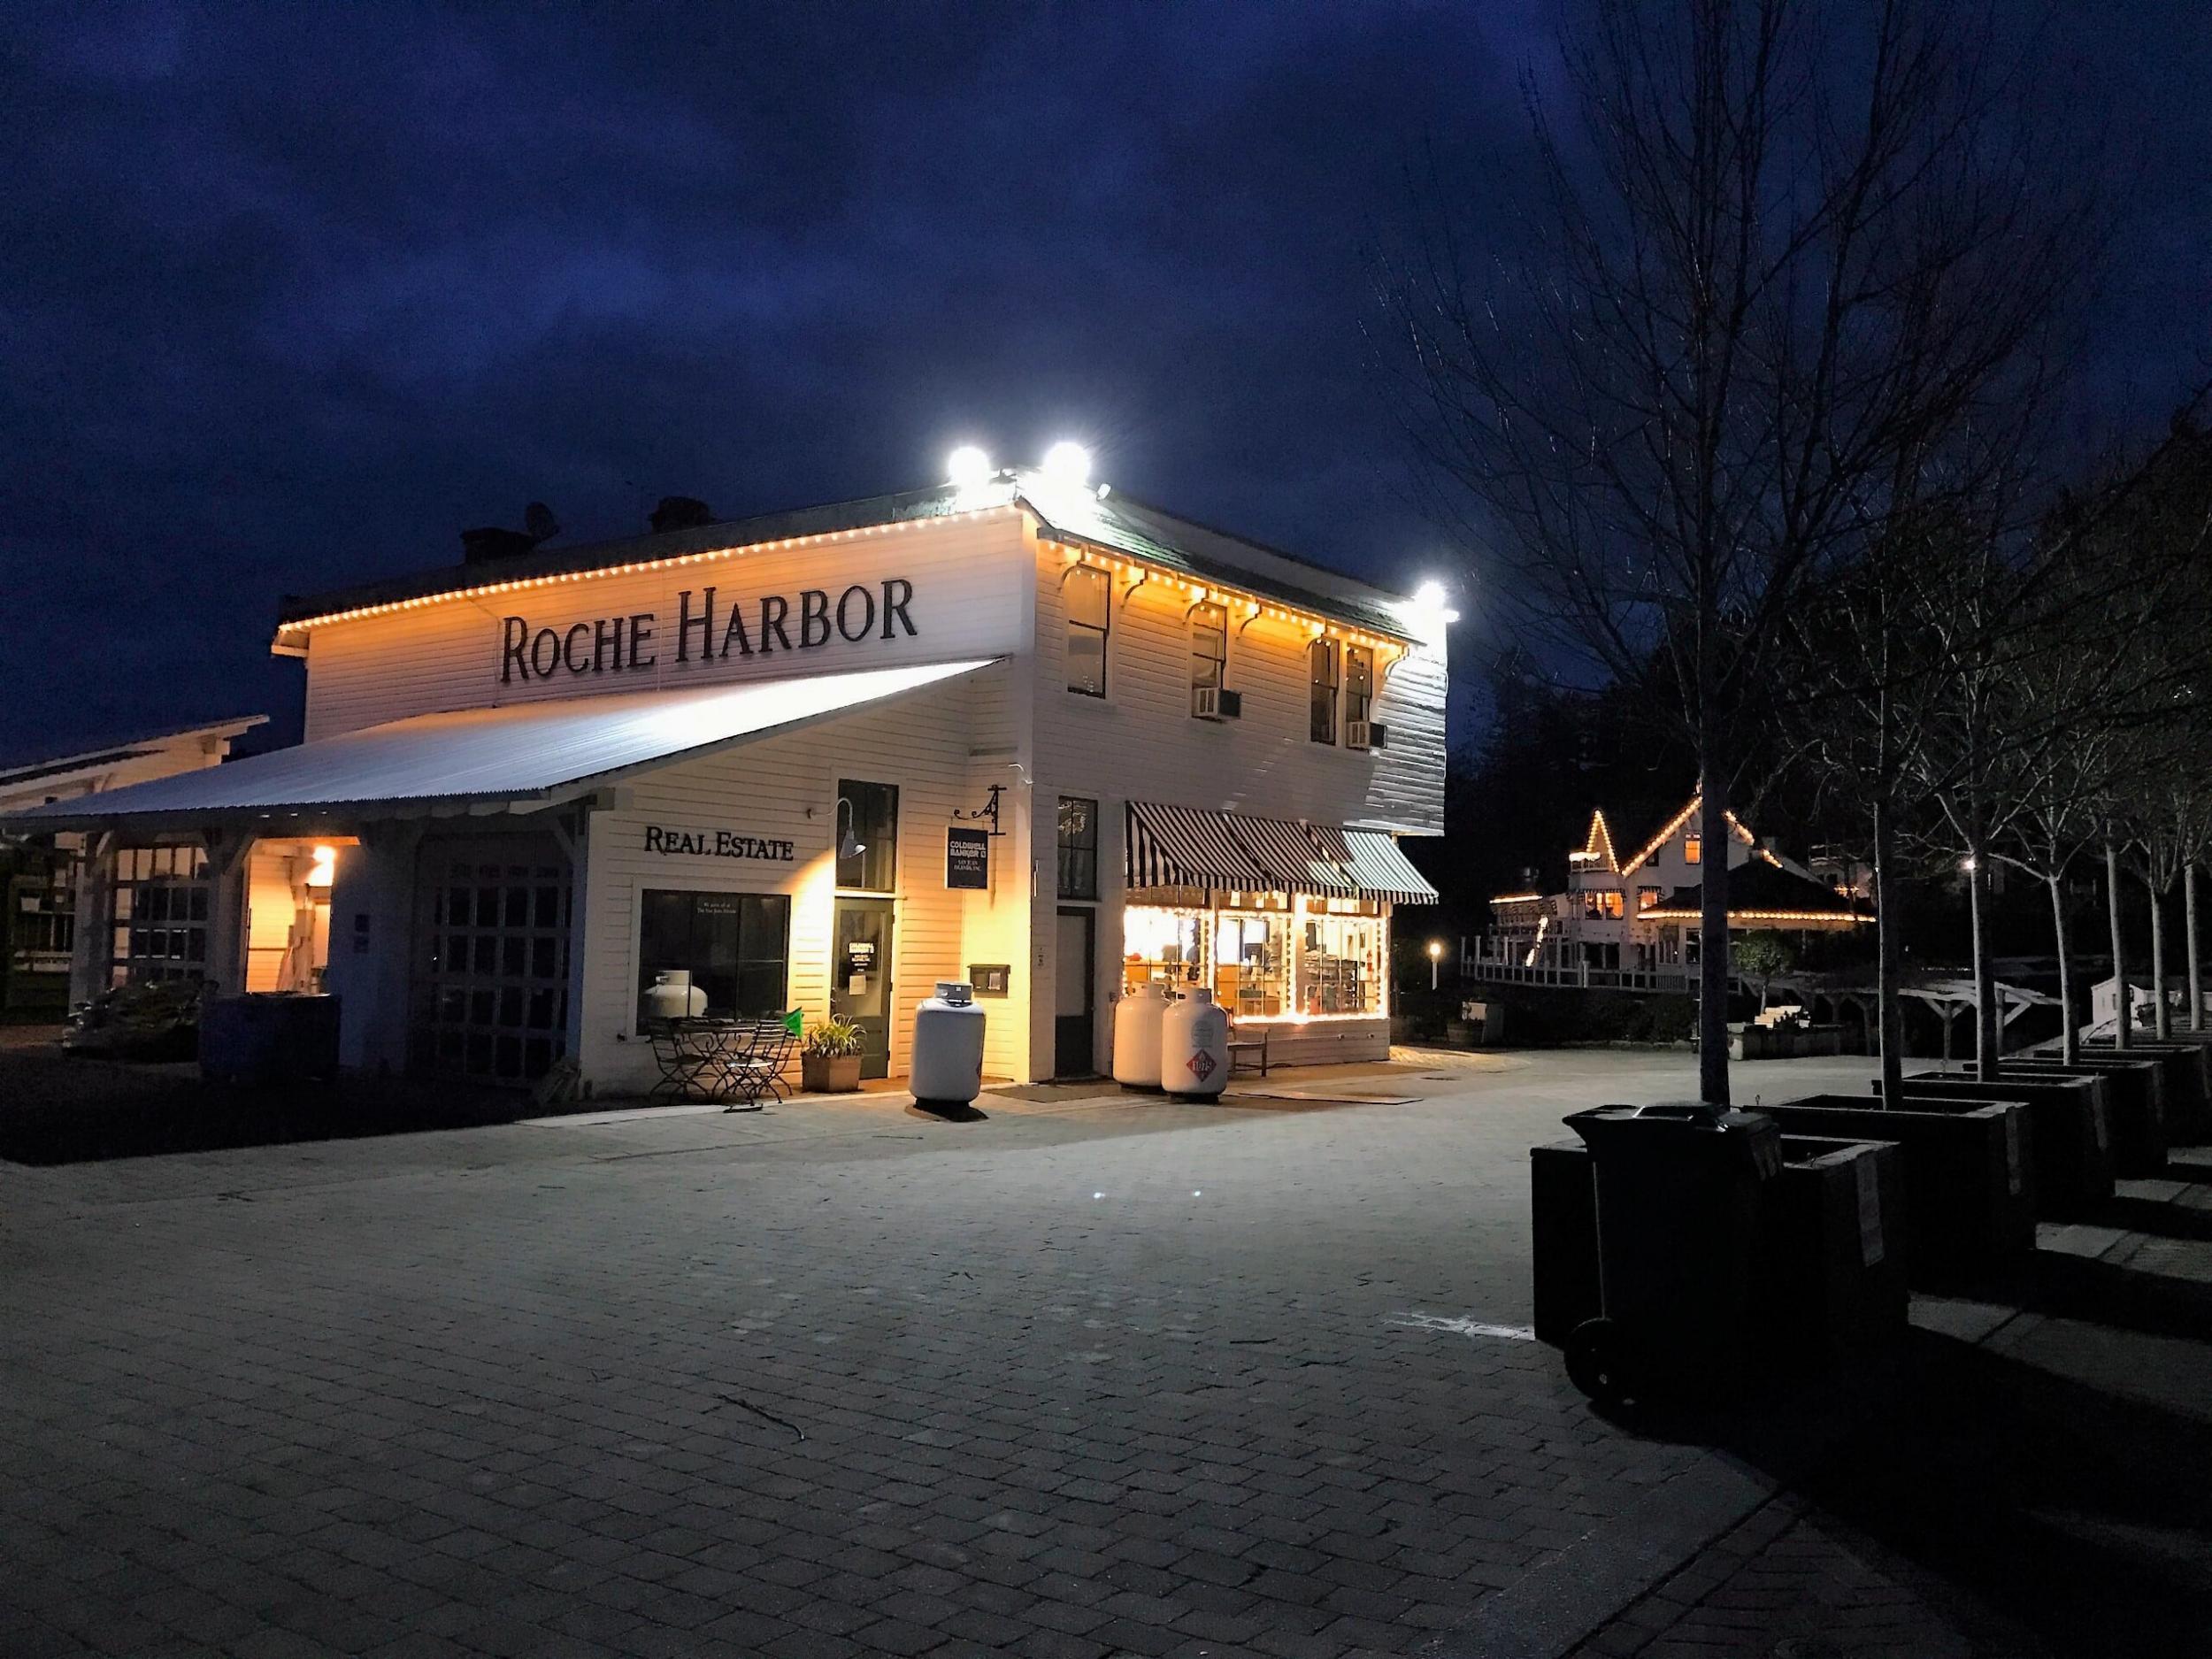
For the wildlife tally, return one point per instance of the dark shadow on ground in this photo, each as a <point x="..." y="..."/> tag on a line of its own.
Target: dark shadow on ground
<point x="56" y="1108"/>
<point x="948" y="1112"/>
<point x="2083" y="1515"/>
<point x="2103" y="1292"/>
<point x="2021" y="1501"/>
<point x="2158" y="1218"/>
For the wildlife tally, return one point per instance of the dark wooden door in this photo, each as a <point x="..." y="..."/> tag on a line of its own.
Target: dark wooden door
<point x="1074" y="1035"/>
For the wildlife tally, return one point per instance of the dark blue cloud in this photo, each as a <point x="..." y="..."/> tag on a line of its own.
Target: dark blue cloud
<point x="291" y="294"/>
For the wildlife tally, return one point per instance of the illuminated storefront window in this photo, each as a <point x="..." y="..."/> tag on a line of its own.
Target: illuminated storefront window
<point x="1341" y="959"/>
<point x="1252" y="958"/>
<point x="1263" y="955"/>
<point x="1163" y="945"/>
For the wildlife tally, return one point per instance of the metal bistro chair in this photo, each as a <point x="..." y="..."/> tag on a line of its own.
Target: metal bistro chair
<point x="686" y="1051"/>
<point x="753" y="1074"/>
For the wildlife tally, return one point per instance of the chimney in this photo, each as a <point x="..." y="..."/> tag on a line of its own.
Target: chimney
<point x="493" y="541"/>
<point x="680" y="512"/>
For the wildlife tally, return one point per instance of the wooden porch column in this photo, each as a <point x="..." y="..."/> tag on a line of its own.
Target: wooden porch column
<point x="226" y="851"/>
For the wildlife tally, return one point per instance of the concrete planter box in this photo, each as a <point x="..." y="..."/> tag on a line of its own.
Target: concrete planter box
<point x="1969" y="1173"/>
<point x="2188" y="1121"/>
<point x="2072" y="1136"/>
<point x="1829" y="1269"/>
<point x="1767" y="1042"/>
<point x="1830" y="1288"/>
<point x="2135" y="1103"/>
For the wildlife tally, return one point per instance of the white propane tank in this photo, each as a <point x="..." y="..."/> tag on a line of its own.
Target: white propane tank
<point x="1136" y="1037"/>
<point x="948" y="1061"/>
<point x="1195" y="1048"/>
<point x="673" y="995"/>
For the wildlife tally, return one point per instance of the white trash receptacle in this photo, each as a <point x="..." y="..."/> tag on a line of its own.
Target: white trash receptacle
<point x="1195" y="1048"/>
<point x="948" y="1062"/>
<point x="1137" y="1036"/>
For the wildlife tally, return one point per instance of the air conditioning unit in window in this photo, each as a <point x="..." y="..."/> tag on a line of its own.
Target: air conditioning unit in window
<point x="1215" y="703"/>
<point x="1365" y="734"/>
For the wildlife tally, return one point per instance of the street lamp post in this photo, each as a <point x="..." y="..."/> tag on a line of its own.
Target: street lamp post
<point x="1436" y="958"/>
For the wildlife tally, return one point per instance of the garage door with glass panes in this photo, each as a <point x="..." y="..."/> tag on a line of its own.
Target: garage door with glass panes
<point x="160" y="901"/>
<point x="491" y="991"/>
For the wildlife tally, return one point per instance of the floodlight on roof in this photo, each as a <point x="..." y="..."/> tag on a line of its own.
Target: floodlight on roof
<point x="968" y="467"/>
<point x="1068" y="463"/>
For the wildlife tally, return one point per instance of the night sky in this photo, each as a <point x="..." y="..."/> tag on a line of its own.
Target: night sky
<point x="288" y="295"/>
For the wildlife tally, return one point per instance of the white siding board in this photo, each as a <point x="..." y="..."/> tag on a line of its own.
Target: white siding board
<point x="920" y="744"/>
<point x="967" y="575"/>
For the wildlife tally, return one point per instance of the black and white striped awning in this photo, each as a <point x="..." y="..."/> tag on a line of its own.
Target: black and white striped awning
<point x="1185" y="846"/>
<point x="1196" y="847"/>
<point x="1384" y="871"/>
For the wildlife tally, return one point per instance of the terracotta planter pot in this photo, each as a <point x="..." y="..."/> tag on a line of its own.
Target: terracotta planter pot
<point x="829" y="1074"/>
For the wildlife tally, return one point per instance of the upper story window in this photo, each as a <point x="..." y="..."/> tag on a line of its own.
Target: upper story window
<point x="1646" y="898"/>
<point x="1321" y="673"/>
<point x="1079" y="847"/>
<point x="1090" y="606"/>
<point x="1693" y="850"/>
<point x="1359" y="686"/>
<point x="867" y="831"/>
<point x="1209" y="647"/>
<point x="1602" y="906"/>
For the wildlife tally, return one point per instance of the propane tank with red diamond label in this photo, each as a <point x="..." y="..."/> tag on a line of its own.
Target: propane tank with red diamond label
<point x="1195" y="1048"/>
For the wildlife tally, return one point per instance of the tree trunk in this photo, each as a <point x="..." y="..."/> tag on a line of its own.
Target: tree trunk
<point x="2189" y="919"/>
<point x="1987" y="1027"/>
<point x="1712" y="957"/>
<point x="1889" y="995"/>
<point x="2070" y="1039"/>
<point x="2119" y="961"/>
<point x="2162" y="1017"/>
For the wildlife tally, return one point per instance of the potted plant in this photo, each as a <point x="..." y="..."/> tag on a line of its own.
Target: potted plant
<point x="830" y="1061"/>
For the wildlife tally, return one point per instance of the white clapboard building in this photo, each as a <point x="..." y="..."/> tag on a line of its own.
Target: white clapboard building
<point x="1020" y="731"/>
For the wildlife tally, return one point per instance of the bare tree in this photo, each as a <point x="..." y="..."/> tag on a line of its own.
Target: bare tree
<point x="1810" y="248"/>
<point x="2152" y="530"/>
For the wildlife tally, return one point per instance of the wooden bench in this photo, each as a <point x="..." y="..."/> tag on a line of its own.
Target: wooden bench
<point x="1245" y="1042"/>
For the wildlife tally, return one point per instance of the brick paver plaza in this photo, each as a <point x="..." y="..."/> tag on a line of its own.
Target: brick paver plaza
<point x="1094" y="1376"/>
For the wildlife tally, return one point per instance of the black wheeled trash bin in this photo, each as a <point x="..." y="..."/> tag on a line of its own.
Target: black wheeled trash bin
<point x="1678" y="1189"/>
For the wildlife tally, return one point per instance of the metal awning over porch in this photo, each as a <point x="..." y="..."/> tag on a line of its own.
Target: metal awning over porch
<point x="1197" y="847"/>
<point x="520" y="758"/>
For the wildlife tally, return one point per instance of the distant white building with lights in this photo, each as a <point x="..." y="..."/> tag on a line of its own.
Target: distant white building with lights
<point x="1642" y="914"/>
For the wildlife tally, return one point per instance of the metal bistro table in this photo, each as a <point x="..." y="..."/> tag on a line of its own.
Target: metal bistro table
<point x="737" y="1062"/>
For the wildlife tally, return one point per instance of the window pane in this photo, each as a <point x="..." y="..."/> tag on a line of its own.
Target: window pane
<point x="734" y="945"/>
<point x="1208" y="645"/>
<point x="1359" y="682"/>
<point x="867" y="835"/>
<point x="1078" y="848"/>
<point x="1086" y="662"/>
<point x="1321" y="668"/>
<point x="1087" y="597"/>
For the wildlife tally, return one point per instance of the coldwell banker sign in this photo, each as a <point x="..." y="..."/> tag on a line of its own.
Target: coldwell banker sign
<point x="706" y="631"/>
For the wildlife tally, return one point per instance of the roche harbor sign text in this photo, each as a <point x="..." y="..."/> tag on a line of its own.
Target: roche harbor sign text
<point x="706" y="631"/>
